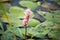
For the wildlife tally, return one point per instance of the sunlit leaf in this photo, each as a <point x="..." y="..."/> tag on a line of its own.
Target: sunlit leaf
<point x="16" y="22"/>
<point x="28" y="4"/>
<point x="15" y="14"/>
<point x="33" y="22"/>
<point x="17" y="11"/>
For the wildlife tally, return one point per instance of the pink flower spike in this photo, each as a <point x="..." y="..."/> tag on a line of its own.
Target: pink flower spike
<point x="26" y="19"/>
<point x="28" y="12"/>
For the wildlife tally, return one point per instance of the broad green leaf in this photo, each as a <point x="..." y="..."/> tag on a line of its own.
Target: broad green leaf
<point x="48" y="23"/>
<point x="16" y="22"/>
<point x="37" y="32"/>
<point x="17" y="11"/>
<point x="33" y="22"/>
<point x="41" y="30"/>
<point x="15" y="14"/>
<point x="28" y="4"/>
<point x="16" y="31"/>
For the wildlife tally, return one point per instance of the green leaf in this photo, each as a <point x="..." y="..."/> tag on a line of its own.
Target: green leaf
<point x="54" y="17"/>
<point x="57" y="12"/>
<point x="48" y="16"/>
<point x="17" y="11"/>
<point x="48" y="23"/>
<point x="55" y="33"/>
<point x="38" y="33"/>
<point x="33" y="22"/>
<point x="41" y="29"/>
<point x="16" y="31"/>
<point x="16" y="22"/>
<point x="28" y="4"/>
<point x="7" y="36"/>
<point x="15" y="14"/>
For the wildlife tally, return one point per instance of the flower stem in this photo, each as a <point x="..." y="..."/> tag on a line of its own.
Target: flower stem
<point x="25" y="33"/>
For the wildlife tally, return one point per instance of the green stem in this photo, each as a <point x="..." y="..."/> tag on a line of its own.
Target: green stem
<point x="25" y="33"/>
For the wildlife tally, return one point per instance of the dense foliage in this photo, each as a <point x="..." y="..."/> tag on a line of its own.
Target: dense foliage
<point x="11" y="20"/>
